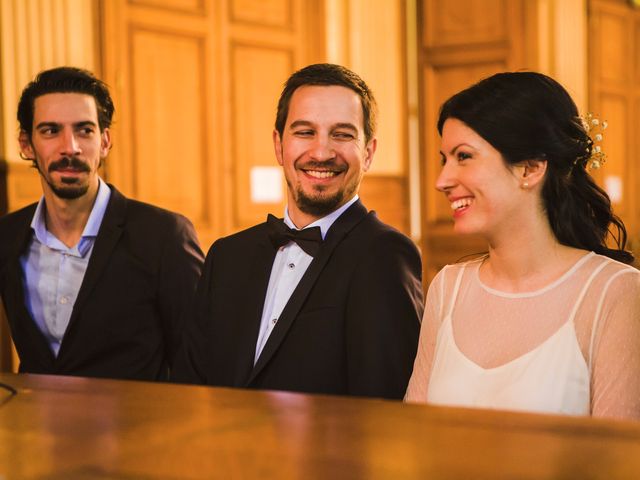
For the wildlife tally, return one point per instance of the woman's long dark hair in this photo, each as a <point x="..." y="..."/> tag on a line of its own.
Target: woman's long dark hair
<point x="526" y="116"/>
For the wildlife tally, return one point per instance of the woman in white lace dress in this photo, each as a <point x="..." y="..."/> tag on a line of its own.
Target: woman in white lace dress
<point x="549" y="319"/>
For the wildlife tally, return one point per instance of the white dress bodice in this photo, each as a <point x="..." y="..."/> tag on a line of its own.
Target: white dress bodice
<point x="570" y="347"/>
<point x="551" y="378"/>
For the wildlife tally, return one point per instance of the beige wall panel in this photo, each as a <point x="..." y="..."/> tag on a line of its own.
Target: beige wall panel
<point x="36" y="35"/>
<point x="613" y="49"/>
<point x="379" y="60"/>
<point x="337" y="31"/>
<point x="193" y="6"/>
<point x="568" y="38"/>
<point x="169" y="124"/>
<point x="277" y="13"/>
<point x="450" y="23"/>
<point x="258" y="74"/>
<point x="368" y="36"/>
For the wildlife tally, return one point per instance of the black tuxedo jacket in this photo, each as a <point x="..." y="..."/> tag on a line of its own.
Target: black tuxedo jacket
<point x="127" y="318"/>
<point x="350" y="327"/>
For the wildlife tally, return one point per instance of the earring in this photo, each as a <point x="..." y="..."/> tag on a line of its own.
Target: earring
<point x="525" y="185"/>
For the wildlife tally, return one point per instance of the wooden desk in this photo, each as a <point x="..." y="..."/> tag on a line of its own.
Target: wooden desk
<point x="76" y="428"/>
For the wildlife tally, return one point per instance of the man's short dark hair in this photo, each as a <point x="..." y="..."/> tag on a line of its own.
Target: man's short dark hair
<point x="328" y="74"/>
<point x="65" y="80"/>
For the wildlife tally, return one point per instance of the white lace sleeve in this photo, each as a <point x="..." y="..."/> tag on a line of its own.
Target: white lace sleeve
<point x="615" y="350"/>
<point x="431" y="321"/>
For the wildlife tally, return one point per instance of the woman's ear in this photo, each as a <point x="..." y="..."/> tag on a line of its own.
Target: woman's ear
<point x="531" y="172"/>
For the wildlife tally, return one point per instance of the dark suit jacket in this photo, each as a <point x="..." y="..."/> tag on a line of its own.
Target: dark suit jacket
<point x="127" y="318"/>
<point x="350" y="327"/>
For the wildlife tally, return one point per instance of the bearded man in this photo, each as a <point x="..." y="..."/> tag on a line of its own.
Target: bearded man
<point x="93" y="284"/>
<point x="329" y="299"/>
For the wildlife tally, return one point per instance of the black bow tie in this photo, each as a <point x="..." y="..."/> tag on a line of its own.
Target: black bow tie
<point x="308" y="239"/>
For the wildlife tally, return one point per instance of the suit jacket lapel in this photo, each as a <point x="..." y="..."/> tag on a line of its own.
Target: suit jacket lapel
<point x="15" y="298"/>
<point x="248" y="336"/>
<point x="110" y="231"/>
<point x="340" y="228"/>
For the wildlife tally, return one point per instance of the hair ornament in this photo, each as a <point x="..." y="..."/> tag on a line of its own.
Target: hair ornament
<point x="594" y="128"/>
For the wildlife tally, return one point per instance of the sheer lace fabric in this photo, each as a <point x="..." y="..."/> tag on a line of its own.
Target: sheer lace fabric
<point x="493" y="329"/>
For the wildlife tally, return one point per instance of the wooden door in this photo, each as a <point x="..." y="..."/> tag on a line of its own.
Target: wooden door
<point x="196" y="84"/>
<point x="460" y="43"/>
<point x="614" y="94"/>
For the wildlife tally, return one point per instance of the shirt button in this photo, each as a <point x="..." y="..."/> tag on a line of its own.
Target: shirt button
<point x="64" y="300"/>
<point x="292" y="266"/>
<point x="274" y="321"/>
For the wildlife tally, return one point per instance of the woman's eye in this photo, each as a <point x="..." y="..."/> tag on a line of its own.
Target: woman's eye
<point x="463" y="156"/>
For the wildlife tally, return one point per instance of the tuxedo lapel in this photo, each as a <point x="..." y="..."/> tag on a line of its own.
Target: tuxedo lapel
<point x="248" y="337"/>
<point x="108" y="235"/>
<point x="340" y="228"/>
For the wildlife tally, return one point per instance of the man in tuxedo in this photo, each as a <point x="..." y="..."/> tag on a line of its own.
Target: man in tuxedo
<point x="93" y="284"/>
<point x="329" y="299"/>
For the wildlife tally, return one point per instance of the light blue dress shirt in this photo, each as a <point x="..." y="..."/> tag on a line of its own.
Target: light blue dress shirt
<point x="288" y="268"/>
<point x="53" y="272"/>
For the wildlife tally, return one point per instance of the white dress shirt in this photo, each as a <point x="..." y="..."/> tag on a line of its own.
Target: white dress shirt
<point x="53" y="272"/>
<point x="288" y="268"/>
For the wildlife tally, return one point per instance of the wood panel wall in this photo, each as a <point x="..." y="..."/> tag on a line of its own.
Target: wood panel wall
<point x="36" y="35"/>
<point x="368" y="36"/>
<point x="614" y="94"/>
<point x="460" y="43"/>
<point x="196" y="85"/>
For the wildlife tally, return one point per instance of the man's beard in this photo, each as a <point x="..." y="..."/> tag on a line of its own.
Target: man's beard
<point x="319" y="205"/>
<point x="71" y="188"/>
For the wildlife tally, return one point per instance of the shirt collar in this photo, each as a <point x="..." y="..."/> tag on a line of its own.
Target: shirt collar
<point x="325" y="222"/>
<point x="97" y="212"/>
<point x="39" y="226"/>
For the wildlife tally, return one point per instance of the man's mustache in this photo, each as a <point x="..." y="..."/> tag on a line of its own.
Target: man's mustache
<point x="69" y="162"/>
<point x="324" y="165"/>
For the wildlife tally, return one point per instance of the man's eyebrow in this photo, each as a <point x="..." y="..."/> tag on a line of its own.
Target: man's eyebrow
<point x="349" y="126"/>
<point x="84" y="123"/>
<point x="47" y="124"/>
<point x="301" y="123"/>
<point x="307" y="123"/>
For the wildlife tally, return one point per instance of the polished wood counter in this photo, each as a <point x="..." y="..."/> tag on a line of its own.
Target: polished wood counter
<point x="76" y="428"/>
